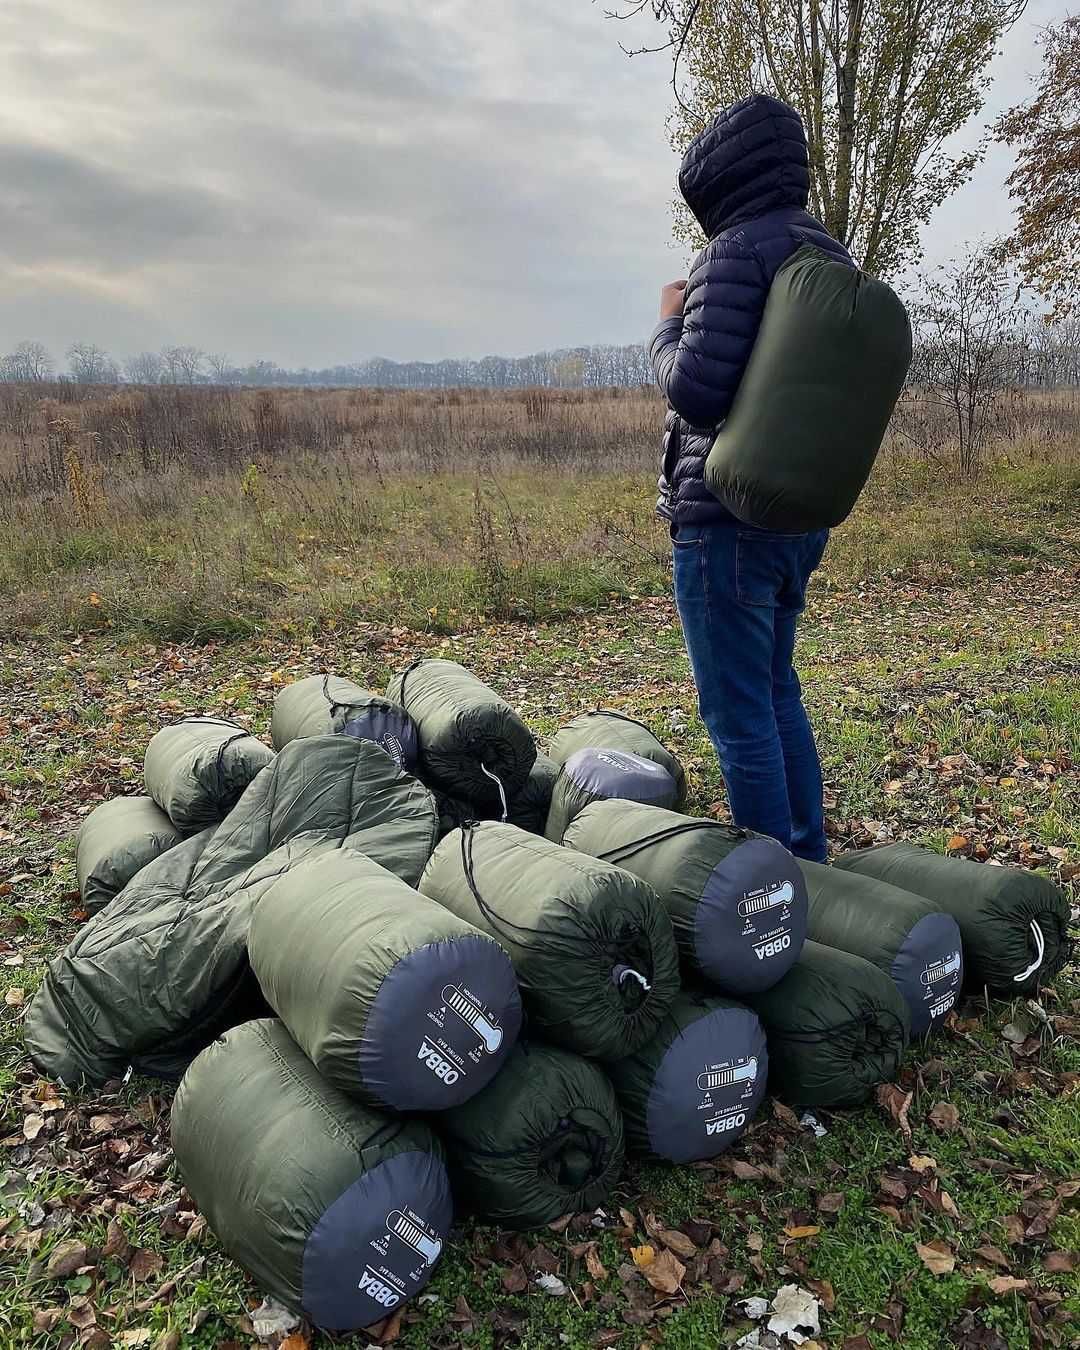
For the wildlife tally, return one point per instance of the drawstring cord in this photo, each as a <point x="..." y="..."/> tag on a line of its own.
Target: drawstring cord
<point x="1040" y="949"/>
<point x="616" y="855"/>
<point x="498" y="783"/>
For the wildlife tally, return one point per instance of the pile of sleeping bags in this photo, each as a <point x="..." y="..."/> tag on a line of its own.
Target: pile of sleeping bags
<point x="405" y="962"/>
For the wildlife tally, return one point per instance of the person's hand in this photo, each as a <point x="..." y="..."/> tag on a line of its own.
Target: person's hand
<point x="671" y="299"/>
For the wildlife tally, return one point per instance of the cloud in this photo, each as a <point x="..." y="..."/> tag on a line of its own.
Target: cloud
<point x="323" y="180"/>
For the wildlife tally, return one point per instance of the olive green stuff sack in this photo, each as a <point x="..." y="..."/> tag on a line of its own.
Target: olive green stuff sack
<point x="328" y="705"/>
<point x="1014" y="923"/>
<point x="163" y="969"/>
<point x="911" y="940"/>
<point x="337" y="1211"/>
<point x="529" y="806"/>
<point x="836" y="1027"/>
<point x="737" y="900"/>
<point x="196" y="770"/>
<point x="117" y="840"/>
<point x="394" y="999"/>
<point x="828" y="364"/>
<point x="472" y="744"/>
<point x="592" y="775"/>
<point x="592" y="947"/>
<point x="543" y="1139"/>
<point x="603" y="729"/>
<point x="694" y="1088"/>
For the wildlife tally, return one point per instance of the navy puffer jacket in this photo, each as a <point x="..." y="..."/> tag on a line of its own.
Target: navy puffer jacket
<point x="746" y="178"/>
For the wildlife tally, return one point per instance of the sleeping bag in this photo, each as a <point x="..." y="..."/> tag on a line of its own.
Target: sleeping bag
<point x="693" y="1089"/>
<point x="529" y="806"/>
<point x="543" y="1139"/>
<point x="472" y="743"/>
<point x="592" y="775"/>
<point x="197" y="769"/>
<point x="337" y="1211"/>
<point x="907" y="937"/>
<point x="116" y="840"/>
<point x="394" y="999"/>
<point x="163" y="969"/>
<point x="328" y="705"/>
<point x="737" y="900"/>
<point x="827" y="366"/>
<point x="592" y="947"/>
<point x="1013" y="923"/>
<point x="836" y="1026"/>
<point x="603" y="729"/>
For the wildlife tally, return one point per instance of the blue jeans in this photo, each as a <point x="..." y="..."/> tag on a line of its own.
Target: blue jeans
<point x="740" y="592"/>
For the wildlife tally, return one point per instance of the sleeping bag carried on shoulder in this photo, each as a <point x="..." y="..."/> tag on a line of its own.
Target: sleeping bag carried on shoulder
<point x="1014" y="923"/>
<point x="603" y="729"/>
<point x="911" y="940"/>
<point x="693" y="1089"/>
<point x="827" y="366"/>
<point x="592" y="947"/>
<point x="737" y="900"/>
<point x="197" y="769"/>
<point x="116" y="840"/>
<point x="328" y="705"/>
<point x="606" y="775"/>
<point x="529" y="806"/>
<point x="543" y="1139"/>
<point x="394" y="999"/>
<point x="836" y="1027"/>
<point x="163" y="968"/>
<point x="337" y="1211"/>
<point x="472" y="743"/>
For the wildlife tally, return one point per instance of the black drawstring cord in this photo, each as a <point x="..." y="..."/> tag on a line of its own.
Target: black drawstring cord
<point x="615" y="855"/>
<point x="405" y="675"/>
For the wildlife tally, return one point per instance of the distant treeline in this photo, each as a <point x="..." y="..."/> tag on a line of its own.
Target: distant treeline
<point x="1032" y="356"/>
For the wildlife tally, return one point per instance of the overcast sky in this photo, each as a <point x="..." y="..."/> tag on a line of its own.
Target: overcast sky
<point x="315" y="181"/>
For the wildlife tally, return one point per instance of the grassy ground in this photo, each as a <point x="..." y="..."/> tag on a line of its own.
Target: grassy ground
<point x="947" y="704"/>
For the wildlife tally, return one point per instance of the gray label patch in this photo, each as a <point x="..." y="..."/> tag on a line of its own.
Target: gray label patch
<point x="442" y="1023"/>
<point x="928" y="970"/>
<point x="616" y="774"/>
<point x="376" y="1245"/>
<point x="750" y="924"/>
<point x="708" y="1086"/>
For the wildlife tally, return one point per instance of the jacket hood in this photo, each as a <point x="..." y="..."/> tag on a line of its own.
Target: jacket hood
<point x="752" y="158"/>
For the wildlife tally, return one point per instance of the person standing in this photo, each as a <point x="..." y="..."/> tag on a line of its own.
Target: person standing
<point x="739" y="589"/>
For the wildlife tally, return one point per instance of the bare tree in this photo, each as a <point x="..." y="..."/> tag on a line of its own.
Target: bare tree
<point x="221" y="367"/>
<point x="29" y="361"/>
<point x="182" y="364"/>
<point x="144" y="368"/>
<point x="969" y="326"/>
<point x="91" y="364"/>
<point x="881" y="85"/>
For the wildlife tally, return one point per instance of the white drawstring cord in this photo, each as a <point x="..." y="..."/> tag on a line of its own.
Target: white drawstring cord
<point x="637" y="976"/>
<point x="498" y="783"/>
<point x="1040" y="948"/>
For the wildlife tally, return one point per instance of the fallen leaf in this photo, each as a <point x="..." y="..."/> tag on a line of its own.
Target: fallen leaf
<point x="15" y="997"/>
<point x="136" y="1336"/>
<point x="46" y="1318"/>
<point x="593" y="1264"/>
<point x="804" y="1231"/>
<point x="922" y="1162"/>
<point x="744" y="1171"/>
<point x="1060" y="1263"/>
<point x="65" y="1259"/>
<point x="1008" y="1284"/>
<point x="32" y="1126"/>
<point x="679" y="1243"/>
<point x="551" y="1284"/>
<point x="937" y="1256"/>
<point x="514" y="1280"/>
<point x="994" y="1255"/>
<point x="957" y="844"/>
<point x="145" y="1264"/>
<point x="272" y="1319"/>
<point x="831" y="1203"/>
<point x="944" y="1117"/>
<point x="665" y="1272"/>
<point x="643" y="1256"/>
<point x="948" y="1205"/>
<point x="897" y="1103"/>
